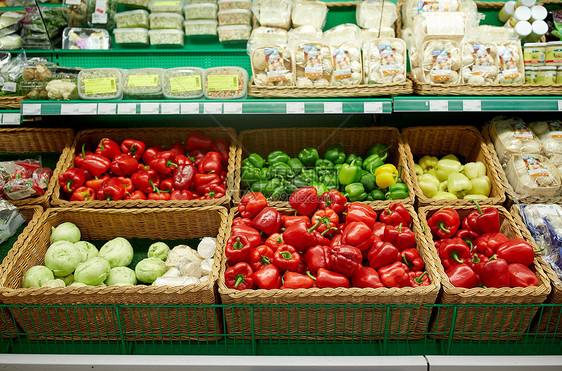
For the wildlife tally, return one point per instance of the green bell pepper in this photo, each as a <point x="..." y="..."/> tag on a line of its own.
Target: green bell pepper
<point x="369" y="181"/>
<point x="277" y="156"/>
<point x="450" y="157"/>
<point x="355" y="192"/>
<point x="397" y="191"/>
<point x="350" y="174"/>
<point x="281" y="170"/>
<point x="296" y="165"/>
<point x="380" y="150"/>
<point x="310" y="175"/>
<point x="259" y="186"/>
<point x="376" y="195"/>
<point x="335" y="154"/>
<point x="324" y="166"/>
<point x="418" y="169"/>
<point x="443" y="185"/>
<point x="290" y="187"/>
<point x="272" y="185"/>
<point x="301" y="181"/>
<point x="330" y="180"/>
<point x="458" y="182"/>
<point x="320" y="188"/>
<point x="247" y="163"/>
<point x="265" y="173"/>
<point x="249" y="175"/>
<point x="372" y="162"/>
<point x="308" y="156"/>
<point x="353" y="157"/>
<point x="446" y="167"/>
<point x="428" y="162"/>
<point x="278" y="194"/>
<point x="256" y="160"/>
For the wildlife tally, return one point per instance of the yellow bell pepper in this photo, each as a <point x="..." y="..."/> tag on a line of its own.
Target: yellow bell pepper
<point x="386" y="175"/>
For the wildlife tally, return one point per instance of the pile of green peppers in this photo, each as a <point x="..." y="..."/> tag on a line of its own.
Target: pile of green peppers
<point x="278" y="176"/>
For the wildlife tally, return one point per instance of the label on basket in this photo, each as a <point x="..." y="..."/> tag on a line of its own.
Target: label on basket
<point x="104" y="85"/>
<point x="535" y="167"/>
<point x="342" y="64"/>
<point x="274" y="65"/>
<point x="9" y="86"/>
<point x="222" y="82"/>
<point x="521" y="132"/>
<point x="313" y="68"/>
<point x="141" y="81"/>
<point x="185" y="83"/>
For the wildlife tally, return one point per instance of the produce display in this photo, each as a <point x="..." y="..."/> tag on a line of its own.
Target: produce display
<point x="131" y="171"/>
<point x="327" y="244"/>
<point x="23" y="179"/>
<point x="368" y="179"/>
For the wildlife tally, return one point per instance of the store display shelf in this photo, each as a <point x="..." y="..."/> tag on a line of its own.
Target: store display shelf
<point x="476" y="104"/>
<point x="22" y="8"/>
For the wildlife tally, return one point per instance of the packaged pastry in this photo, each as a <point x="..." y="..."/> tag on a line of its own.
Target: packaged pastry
<point x="226" y="83"/>
<point x="375" y="14"/>
<point x="166" y="38"/>
<point x="166" y="21"/>
<point x="479" y="63"/>
<point x="234" y="33"/>
<point x="348" y="67"/>
<point x="384" y="61"/>
<point x="313" y="64"/>
<point x="513" y="136"/>
<point x="235" y="4"/>
<point x="132" y="19"/>
<point x="143" y="83"/>
<point x="509" y="60"/>
<point x="201" y="27"/>
<point x="266" y="36"/>
<point x="100" y="83"/>
<point x="532" y="175"/>
<point x="200" y="11"/>
<point x="183" y="83"/>
<point x="234" y="17"/>
<point x="272" y="66"/>
<point x="309" y="13"/>
<point x="273" y="13"/>
<point x="131" y="36"/>
<point x="550" y="135"/>
<point x="85" y="39"/>
<point x="166" y="6"/>
<point x="440" y="62"/>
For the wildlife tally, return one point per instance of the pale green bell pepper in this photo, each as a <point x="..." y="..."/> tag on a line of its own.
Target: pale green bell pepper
<point x="428" y="184"/>
<point x="441" y="195"/>
<point x="450" y="157"/>
<point x="459" y="183"/>
<point x="428" y="162"/>
<point x="443" y="186"/>
<point x="474" y="170"/>
<point x="446" y="167"/>
<point x="418" y="169"/>
<point x="475" y="197"/>
<point x="481" y="186"/>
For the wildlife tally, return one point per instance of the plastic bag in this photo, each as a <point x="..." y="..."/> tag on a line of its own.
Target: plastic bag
<point x="348" y="68"/>
<point x="440" y="62"/>
<point x="376" y="14"/>
<point x="510" y="63"/>
<point x="10" y="220"/>
<point x="478" y="63"/>
<point x="273" y="13"/>
<point x="23" y="178"/>
<point x="263" y="36"/>
<point x="311" y="13"/>
<point x="451" y="26"/>
<point x="384" y="61"/>
<point x="513" y="136"/>
<point x="272" y="66"/>
<point x="313" y="64"/>
<point x="342" y="34"/>
<point x="550" y="135"/>
<point x="369" y="34"/>
<point x="296" y="35"/>
<point x="85" y="39"/>
<point x="532" y="175"/>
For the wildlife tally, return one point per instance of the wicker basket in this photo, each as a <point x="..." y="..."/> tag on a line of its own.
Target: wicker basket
<point x="443" y="140"/>
<point x="28" y="140"/>
<point x="152" y="137"/>
<point x="354" y="140"/>
<point x="467" y="321"/>
<point x="331" y="322"/>
<point x="11" y="102"/>
<point x="93" y="322"/>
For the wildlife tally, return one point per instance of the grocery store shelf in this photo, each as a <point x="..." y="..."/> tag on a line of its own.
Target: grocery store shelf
<point x="476" y="104"/>
<point x="484" y="363"/>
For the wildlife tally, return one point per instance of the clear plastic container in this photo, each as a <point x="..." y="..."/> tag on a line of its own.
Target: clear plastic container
<point x="64" y="85"/>
<point x="131" y="36"/>
<point x="183" y="83"/>
<point x="166" y="6"/>
<point x="554" y="53"/>
<point x="267" y="36"/>
<point x="200" y="2"/>
<point x="200" y="11"/>
<point x="201" y="27"/>
<point x="375" y="14"/>
<point x="166" y="21"/>
<point x="166" y="38"/>
<point x="77" y="11"/>
<point x="234" y="17"/>
<point x="100" y="84"/>
<point x="132" y="19"/>
<point x="235" y="4"/>
<point x="234" y="33"/>
<point x="143" y="83"/>
<point x="85" y="39"/>
<point x="533" y="54"/>
<point x="546" y="75"/>
<point x="311" y="13"/>
<point x="559" y="75"/>
<point x="512" y="136"/>
<point x="136" y="3"/>
<point x="38" y="69"/>
<point x="550" y="134"/>
<point x="273" y="13"/>
<point x="532" y="175"/>
<point x="101" y="13"/>
<point x="34" y="90"/>
<point x="531" y="75"/>
<point x="226" y="83"/>
<point x="272" y="66"/>
<point x="384" y="61"/>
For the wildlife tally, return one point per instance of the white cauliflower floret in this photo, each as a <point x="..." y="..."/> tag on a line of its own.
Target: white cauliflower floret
<point x="61" y="90"/>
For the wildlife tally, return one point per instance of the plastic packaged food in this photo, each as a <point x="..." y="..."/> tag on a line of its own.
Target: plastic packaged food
<point x="234" y="33"/>
<point x="369" y="34"/>
<point x="201" y="27"/>
<point x="532" y="175"/>
<point x="10" y="23"/>
<point x="166" y="6"/>
<point x="309" y="13"/>
<point x="143" y="83"/>
<point x="135" y="3"/>
<point x="166" y="21"/>
<point x="183" y="83"/>
<point x="296" y="35"/>
<point x="132" y="19"/>
<point x="478" y="63"/>
<point x="37" y="69"/>
<point x="34" y="90"/>
<point x="414" y="7"/>
<point x="513" y="136"/>
<point x="550" y="135"/>
<point x="451" y="26"/>
<point x="272" y="66"/>
<point x="343" y="33"/>
<point x="273" y="13"/>
<point x="559" y="75"/>
<point x="554" y="53"/>
<point x="375" y="14"/>
<point x="234" y="17"/>
<point x="546" y="75"/>
<point x="166" y="38"/>
<point x="100" y="83"/>
<point x="226" y="83"/>
<point x="131" y="36"/>
<point x="266" y="36"/>
<point x="64" y="85"/>
<point x="440" y="62"/>
<point x="235" y="4"/>
<point x="509" y="60"/>
<point x="200" y="11"/>
<point x="77" y="11"/>
<point x="531" y="75"/>
<point x="384" y="61"/>
<point x="348" y="67"/>
<point x="85" y="39"/>
<point x="101" y="13"/>
<point x="534" y="54"/>
<point x="313" y="64"/>
<point x="200" y="1"/>
<point x="11" y="42"/>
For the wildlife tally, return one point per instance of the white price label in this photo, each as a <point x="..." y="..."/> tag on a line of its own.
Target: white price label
<point x="333" y="107"/>
<point x="107" y="108"/>
<point x="88" y="108"/>
<point x="372" y="107"/>
<point x="11" y="119"/>
<point x="560" y="105"/>
<point x="438" y="105"/>
<point x="31" y="109"/>
<point x="150" y="108"/>
<point x="295" y="107"/>
<point x="69" y="109"/>
<point x="212" y="108"/>
<point x="126" y="108"/>
<point x="232" y="108"/>
<point x="72" y="2"/>
<point x="170" y="108"/>
<point x="472" y="105"/>
<point x="189" y="108"/>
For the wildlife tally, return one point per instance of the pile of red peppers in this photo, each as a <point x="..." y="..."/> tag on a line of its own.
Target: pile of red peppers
<point x="475" y="253"/>
<point x="131" y="171"/>
<point x="326" y="244"/>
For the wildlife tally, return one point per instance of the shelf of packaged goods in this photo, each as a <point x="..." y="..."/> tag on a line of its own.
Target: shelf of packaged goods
<point x="477" y="104"/>
<point x="207" y="107"/>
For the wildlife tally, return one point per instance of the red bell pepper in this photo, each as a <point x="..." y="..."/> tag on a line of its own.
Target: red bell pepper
<point x="222" y="146"/>
<point x="454" y="252"/>
<point x="83" y="194"/>
<point x="418" y="279"/>
<point x="477" y="260"/>
<point x="483" y="220"/>
<point x="159" y="195"/>
<point x="237" y="249"/>
<point x="96" y="183"/>
<point x="334" y="200"/>
<point x="178" y="195"/>
<point x="396" y="214"/>
<point x="359" y="235"/>
<point x="164" y="162"/>
<point x="252" y="234"/>
<point x="203" y="182"/>
<point x="400" y="236"/>
<point x="463" y="276"/>
<point x="317" y="257"/>
<point x="444" y="223"/>
<point x="302" y="268"/>
<point x="242" y="221"/>
<point x="136" y="195"/>
<point x="146" y="181"/>
<point x="198" y="140"/>
<point x="286" y="258"/>
<point x="329" y="218"/>
<point x="395" y="275"/>
<point x="336" y="240"/>
<point x="267" y="277"/>
<point x="268" y="221"/>
<point x="183" y="176"/>
<point x="382" y="254"/>
<point x="182" y="160"/>
<point x="345" y="259"/>
<point x="166" y="185"/>
<point x="251" y="204"/>
<point x="521" y="276"/>
<point x="210" y="164"/>
<point x="494" y="273"/>
<point x="304" y="200"/>
<point x="79" y="159"/>
<point x="124" y="165"/>
<point x="261" y="255"/>
<point x="178" y="149"/>
<point x="111" y="190"/>
<point x="149" y="154"/>
<point x="366" y="277"/>
<point x="301" y="235"/>
<point x="288" y="220"/>
<point x="239" y="277"/>
<point x="274" y="241"/>
<point x="378" y="230"/>
<point x="72" y="179"/>
<point x="326" y="278"/>
<point x="127" y="184"/>
<point x="108" y="149"/>
<point x="293" y="280"/>
<point x="215" y="191"/>
<point x="134" y="148"/>
<point x="412" y="258"/>
<point x="488" y="243"/>
<point x="468" y="236"/>
<point x="96" y="165"/>
<point x="517" y="251"/>
<point x="356" y="212"/>
<point x="197" y="155"/>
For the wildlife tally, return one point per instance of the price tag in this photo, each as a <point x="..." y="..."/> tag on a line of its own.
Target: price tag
<point x="127" y="109"/>
<point x="372" y="107"/>
<point x="472" y="105"/>
<point x="232" y="108"/>
<point x="295" y="107"/>
<point x="69" y="109"/>
<point x="439" y="105"/>
<point x="11" y="119"/>
<point x="72" y="2"/>
<point x="189" y="108"/>
<point x="560" y="105"/>
<point x="87" y="108"/>
<point x="170" y="108"/>
<point x="150" y="108"/>
<point x="107" y="108"/>
<point x="333" y="107"/>
<point x="212" y="108"/>
<point x="31" y="109"/>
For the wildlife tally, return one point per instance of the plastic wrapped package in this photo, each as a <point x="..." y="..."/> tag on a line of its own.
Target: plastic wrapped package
<point x="132" y="19"/>
<point x="77" y="11"/>
<point x="10" y="220"/>
<point x="343" y="33"/>
<point x="85" y="39"/>
<point x="135" y="3"/>
<point x="143" y="83"/>
<point x="313" y="64"/>
<point x="10" y="23"/>
<point x="234" y="4"/>
<point x="234" y="33"/>
<point x="201" y="27"/>
<point x="101" y="13"/>
<point x="183" y="83"/>
<point x="550" y="135"/>
<point x="226" y="83"/>
<point x="131" y="36"/>
<point x="440" y="62"/>
<point x="11" y="42"/>
<point x="369" y="34"/>
<point x="37" y="69"/>
<point x="62" y="89"/>
<point x="509" y="60"/>
<point x="376" y="14"/>
<point x="266" y="36"/>
<point x="479" y="62"/>
<point x="34" y="90"/>
<point x="234" y="17"/>
<point x="100" y="83"/>
<point x="200" y="11"/>
<point x="166" y="38"/>
<point x="494" y="33"/>
<point x="309" y="13"/>
<point x="513" y="136"/>
<point x="273" y="13"/>
<point x="532" y="175"/>
<point x="166" y="6"/>
<point x="414" y="7"/>
<point x="166" y="21"/>
<point x="295" y="35"/>
<point x="451" y="26"/>
<point x="348" y="67"/>
<point x="384" y="61"/>
<point x="272" y="66"/>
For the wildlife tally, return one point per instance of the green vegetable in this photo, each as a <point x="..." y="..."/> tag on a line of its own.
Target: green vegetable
<point x="36" y="275"/>
<point x="376" y="195"/>
<point x="65" y="232"/>
<point x="118" y="252"/>
<point x="379" y="149"/>
<point x="158" y="250"/>
<point x="481" y="186"/>
<point x="277" y="156"/>
<point x="259" y="186"/>
<point x="372" y="162"/>
<point x="272" y="185"/>
<point x="92" y="272"/>
<point x="296" y="165"/>
<point x="308" y="156"/>
<point x="67" y="279"/>
<point x="397" y="191"/>
<point x="121" y="276"/>
<point x="353" y="158"/>
<point x="355" y="192"/>
<point x="320" y="188"/>
<point x="474" y="170"/>
<point x="62" y="257"/>
<point x="281" y="170"/>
<point x="458" y="182"/>
<point x="149" y="269"/>
<point x="446" y="167"/>
<point x="57" y="282"/>
<point x="369" y="181"/>
<point x="349" y="174"/>
<point x="249" y="175"/>
<point x="256" y="160"/>
<point x="335" y="154"/>
<point x="87" y="250"/>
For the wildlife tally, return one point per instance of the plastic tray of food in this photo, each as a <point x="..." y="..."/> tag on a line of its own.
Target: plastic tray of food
<point x="166" y="38"/>
<point x="34" y="90"/>
<point x="136" y="3"/>
<point x="235" y="4"/>
<point x="234" y="33"/>
<point x="132" y="19"/>
<point x="131" y="36"/>
<point x="200" y="11"/>
<point x="183" y="83"/>
<point x="85" y="39"/>
<point x="166" y="6"/>
<point x="143" y="83"/>
<point x="100" y="84"/>
<point x="166" y="21"/>
<point x="533" y="175"/>
<point x="226" y="83"/>
<point x="201" y="27"/>
<point x="234" y="17"/>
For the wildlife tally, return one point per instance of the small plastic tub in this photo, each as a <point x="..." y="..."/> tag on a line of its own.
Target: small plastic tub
<point x="234" y="33"/>
<point x="166" y="6"/>
<point x="546" y="75"/>
<point x="531" y="75"/>
<point x="200" y="11"/>
<point x="131" y="36"/>
<point x="554" y="53"/>
<point x="201" y="27"/>
<point x="234" y="17"/>
<point x="226" y="83"/>
<point x="183" y="83"/>
<point x="559" y="75"/>
<point x="534" y="53"/>
<point x="100" y="84"/>
<point x="143" y="83"/>
<point x="166" y="21"/>
<point x="166" y="38"/>
<point x="132" y="19"/>
<point x="235" y="4"/>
